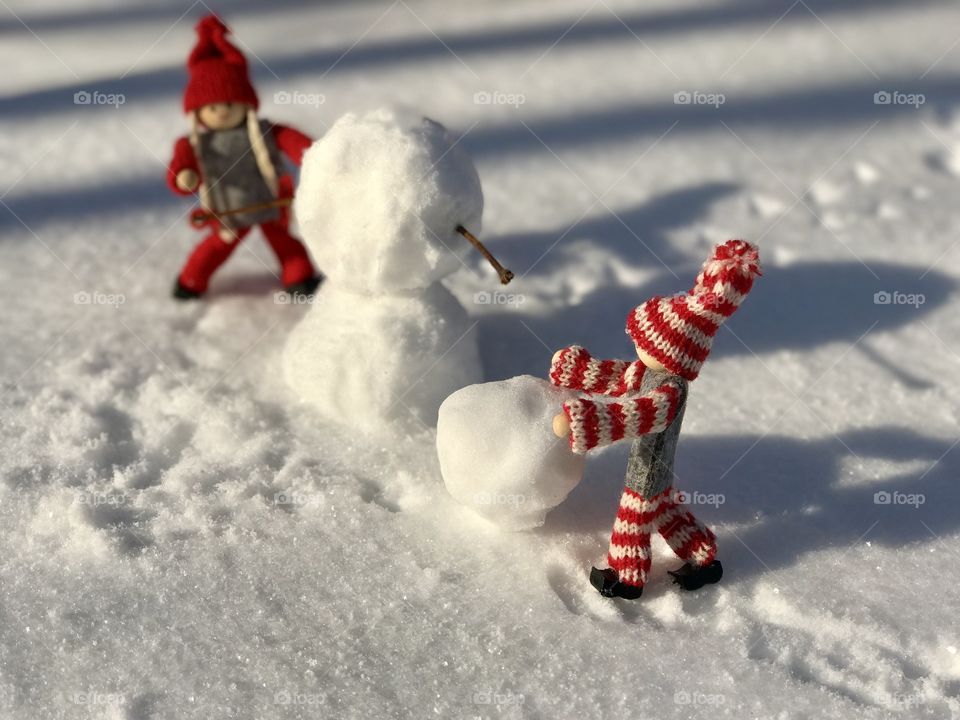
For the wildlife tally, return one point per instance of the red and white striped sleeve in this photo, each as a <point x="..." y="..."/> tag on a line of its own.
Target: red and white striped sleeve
<point x="575" y="368"/>
<point x="597" y="422"/>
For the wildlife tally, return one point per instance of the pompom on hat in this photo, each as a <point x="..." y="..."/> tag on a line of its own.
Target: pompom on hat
<point x="678" y="331"/>
<point x="217" y="69"/>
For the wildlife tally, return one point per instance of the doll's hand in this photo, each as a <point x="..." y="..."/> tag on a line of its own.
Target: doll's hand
<point x="187" y="180"/>
<point x="561" y="426"/>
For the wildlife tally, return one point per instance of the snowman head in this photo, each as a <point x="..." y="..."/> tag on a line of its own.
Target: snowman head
<point x="380" y="198"/>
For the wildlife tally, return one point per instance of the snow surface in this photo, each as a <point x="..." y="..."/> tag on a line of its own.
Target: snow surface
<point x="183" y="539"/>
<point x="498" y="454"/>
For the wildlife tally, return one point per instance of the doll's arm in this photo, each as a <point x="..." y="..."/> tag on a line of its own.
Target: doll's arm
<point x="183" y="159"/>
<point x="598" y="422"/>
<point x="573" y="367"/>
<point x="291" y="142"/>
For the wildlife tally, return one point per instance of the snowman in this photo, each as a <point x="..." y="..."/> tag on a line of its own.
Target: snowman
<point x="383" y="202"/>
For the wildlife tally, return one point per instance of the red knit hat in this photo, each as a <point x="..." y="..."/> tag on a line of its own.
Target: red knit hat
<point x="218" y="70"/>
<point x="678" y="331"/>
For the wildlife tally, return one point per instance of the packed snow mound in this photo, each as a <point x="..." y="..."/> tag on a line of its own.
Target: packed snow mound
<point x="383" y="358"/>
<point x="498" y="454"/>
<point x="380" y="198"/>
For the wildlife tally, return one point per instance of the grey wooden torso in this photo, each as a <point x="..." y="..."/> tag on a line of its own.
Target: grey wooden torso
<point x="650" y="467"/>
<point x="232" y="175"/>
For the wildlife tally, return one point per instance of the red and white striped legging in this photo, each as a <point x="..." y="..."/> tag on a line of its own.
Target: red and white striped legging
<point x="638" y="517"/>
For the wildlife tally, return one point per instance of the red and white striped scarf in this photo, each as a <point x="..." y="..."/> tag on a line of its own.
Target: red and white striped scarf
<point x="615" y="411"/>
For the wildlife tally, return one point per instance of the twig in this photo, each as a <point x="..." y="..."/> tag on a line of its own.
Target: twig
<point x="200" y="217"/>
<point x="505" y="275"/>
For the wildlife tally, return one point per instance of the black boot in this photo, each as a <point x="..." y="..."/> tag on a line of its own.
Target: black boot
<point x="305" y="287"/>
<point x="608" y="584"/>
<point x="694" y="577"/>
<point x="184" y="293"/>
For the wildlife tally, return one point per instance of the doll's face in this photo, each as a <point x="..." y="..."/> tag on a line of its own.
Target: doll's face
<point x="223" y="116"/>
<point x="650" y="362"/>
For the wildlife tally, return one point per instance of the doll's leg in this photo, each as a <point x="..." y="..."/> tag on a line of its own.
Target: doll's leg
<point x="209" y="254"/>
<point x="689" y="538"/>
<point x="295" y="264"/>
<point x="629" y="552"/>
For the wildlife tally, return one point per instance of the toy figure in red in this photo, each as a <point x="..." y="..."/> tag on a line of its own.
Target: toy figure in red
<point x="231" y="159"/>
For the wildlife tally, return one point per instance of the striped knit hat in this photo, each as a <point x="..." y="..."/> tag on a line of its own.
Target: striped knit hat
<point x="678" y="331"/>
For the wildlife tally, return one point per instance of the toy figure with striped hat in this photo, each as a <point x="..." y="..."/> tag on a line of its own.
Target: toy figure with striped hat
<point x="644" y="400"/>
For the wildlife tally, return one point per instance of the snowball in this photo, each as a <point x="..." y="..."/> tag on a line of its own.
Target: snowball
<point x="367" y="360"/>
<point x="380" y="198"/>
<point x="498" y="454"/>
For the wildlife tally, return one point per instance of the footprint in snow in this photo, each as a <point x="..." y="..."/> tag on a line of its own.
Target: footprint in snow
<point x="570" y="582"/>
<point x="372" y="493"/>
<point x="126" y="524"/>
<point x="143" y="707"/>
<point x="167" y="453"/>
<point x="563" y="586"/>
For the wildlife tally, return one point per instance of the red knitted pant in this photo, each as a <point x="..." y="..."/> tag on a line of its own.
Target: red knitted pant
<point x="212" y="252"/>
<point x="638" y="517"/>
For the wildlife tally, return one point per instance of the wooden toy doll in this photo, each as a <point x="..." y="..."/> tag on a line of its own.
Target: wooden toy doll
<point x="644" y="400"/>
<point x="232" y="160"/>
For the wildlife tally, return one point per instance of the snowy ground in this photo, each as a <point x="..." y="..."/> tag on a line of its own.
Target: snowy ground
<point x="181" y="540"/>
